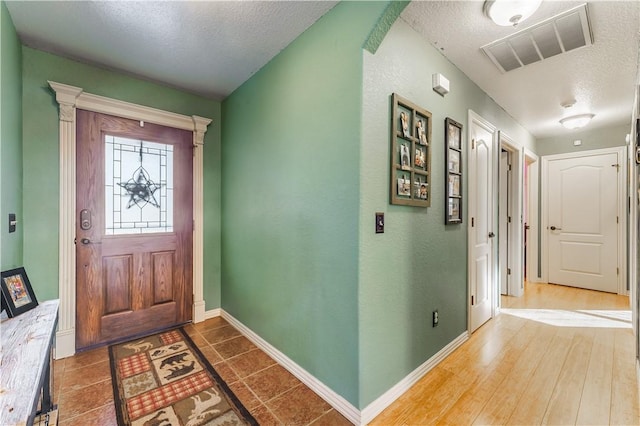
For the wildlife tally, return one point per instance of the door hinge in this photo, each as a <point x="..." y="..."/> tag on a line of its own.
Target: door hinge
<point x="509" y="167"/>
<point x="617" y="219"/>
<point x="508" y="271"/>
<point x="509" y="219"/>
<point x="617" y="271"/>
<point x="473" y="144"/>
<point x="472" y="222"/>
<point x="472" y="300"/>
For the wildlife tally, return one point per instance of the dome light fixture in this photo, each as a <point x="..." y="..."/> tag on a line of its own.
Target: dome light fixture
<point x="507" y="13"/>
<point x="576" y="121"/>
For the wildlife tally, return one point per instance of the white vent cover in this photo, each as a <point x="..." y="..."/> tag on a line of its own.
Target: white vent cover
<point x="562" y="33"/>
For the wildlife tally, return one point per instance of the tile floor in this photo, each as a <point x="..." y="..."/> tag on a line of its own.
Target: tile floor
<point x="83" y="391"/>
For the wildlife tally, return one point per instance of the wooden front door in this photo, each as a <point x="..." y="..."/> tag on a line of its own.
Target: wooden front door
<point x="134" y="228"/>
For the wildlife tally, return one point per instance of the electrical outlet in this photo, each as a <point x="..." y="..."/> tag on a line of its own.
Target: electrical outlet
<point x="435" y="318"/>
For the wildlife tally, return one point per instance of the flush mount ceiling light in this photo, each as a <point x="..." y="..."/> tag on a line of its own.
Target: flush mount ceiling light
<point x="576" y="121"/>
<point x="508" y="13"/>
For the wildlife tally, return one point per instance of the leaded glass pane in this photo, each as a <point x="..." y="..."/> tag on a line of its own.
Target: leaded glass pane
<point x="138" y="186"/>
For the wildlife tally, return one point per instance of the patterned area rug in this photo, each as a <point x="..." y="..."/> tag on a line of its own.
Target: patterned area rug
<point x="163" y="380"/>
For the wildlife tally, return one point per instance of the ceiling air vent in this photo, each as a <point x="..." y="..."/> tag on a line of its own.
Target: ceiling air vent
<point x="559" y="34"/>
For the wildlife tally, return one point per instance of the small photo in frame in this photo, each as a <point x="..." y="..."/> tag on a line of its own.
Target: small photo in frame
<point x="421" y="131"/>
<point x="405" y="158"/>
<point x="454" y="185"/>
<point x="404" y="187"/>
<point x="454" y="161"/>
<point x="404" y="124"/>
<point x="454" y="210"/>
<point x="420" y="158"/>
<point x="454" y="134"/>
<point x="420" y="190"/>
<point x="17" y="294"/>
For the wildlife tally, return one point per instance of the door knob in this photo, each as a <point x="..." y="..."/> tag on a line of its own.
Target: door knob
<point x="85" y="241"/>
<point x="553" y="228"/>
<point x="491" y="235"/>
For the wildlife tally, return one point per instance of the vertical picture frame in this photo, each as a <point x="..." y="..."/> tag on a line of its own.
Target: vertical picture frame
<point x="453" y="171"/>
<point x="410" y="154"/>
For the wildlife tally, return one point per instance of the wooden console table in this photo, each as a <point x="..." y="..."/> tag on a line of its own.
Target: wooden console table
<point x="25" y="358"/>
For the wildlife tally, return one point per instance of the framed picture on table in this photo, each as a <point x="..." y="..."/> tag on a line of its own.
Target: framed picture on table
<point x="17" y="293"/>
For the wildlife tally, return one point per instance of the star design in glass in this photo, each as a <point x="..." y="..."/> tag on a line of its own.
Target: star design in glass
<point x="141" y="189"/>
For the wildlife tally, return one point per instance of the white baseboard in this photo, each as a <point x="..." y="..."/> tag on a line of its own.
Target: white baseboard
<point x="199" y="311"/>
<point x="332" y="398"/>
<point x="65" y="343"/>
<point x="386" y="399"/>
<point x="341" y="405"/>
<point x="212" y="313"/>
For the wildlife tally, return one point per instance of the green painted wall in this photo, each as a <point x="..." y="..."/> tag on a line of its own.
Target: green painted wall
<point x="41" y="159"/>
<point x="290" y="206"/>
<point x="11" y="146"/>
<point x="604" y="137"/>
<point x="418" y="264"/>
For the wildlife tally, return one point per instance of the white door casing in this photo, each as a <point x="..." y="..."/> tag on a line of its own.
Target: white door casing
<point x="69" y="98"/>
<point x="515" y="219"/>
<point x="533" y="171"/>
<point x="584" y="216"/>
<point x="482" y="221"/>
<point x="503" y="220"/>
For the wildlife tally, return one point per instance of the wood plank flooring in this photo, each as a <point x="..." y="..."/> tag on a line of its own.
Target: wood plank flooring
<point x="558" y="355"/>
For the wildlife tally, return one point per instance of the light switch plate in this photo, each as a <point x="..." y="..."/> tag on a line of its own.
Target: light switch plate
<point x="12" y="222"/>
<point x="379" y="223"/>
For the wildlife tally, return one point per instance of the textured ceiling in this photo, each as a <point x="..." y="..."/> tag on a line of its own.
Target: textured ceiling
<point x="599" y="78"/>
<point x="206" y="47"/>
<point x="212" y="47"/>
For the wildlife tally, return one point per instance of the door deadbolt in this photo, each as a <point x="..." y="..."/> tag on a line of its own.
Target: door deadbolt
<point x="85" y="220"/>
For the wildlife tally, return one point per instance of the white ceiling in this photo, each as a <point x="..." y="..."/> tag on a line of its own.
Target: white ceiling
<point x="205" y="47"/>
<point x="212" y="47"/>
<point x="600" y="78"/>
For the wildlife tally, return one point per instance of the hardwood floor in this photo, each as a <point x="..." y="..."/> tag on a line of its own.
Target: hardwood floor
<point x="557" y="355"/>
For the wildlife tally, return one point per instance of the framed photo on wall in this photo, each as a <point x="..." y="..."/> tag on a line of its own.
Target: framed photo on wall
<point x="453" y="171"/>
<point x="17" y="294"/>
<point x="410" y="154"/>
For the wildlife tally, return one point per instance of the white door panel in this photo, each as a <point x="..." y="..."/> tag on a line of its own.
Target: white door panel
<point x="582" y="221"/>
<point x="481" y="212"/>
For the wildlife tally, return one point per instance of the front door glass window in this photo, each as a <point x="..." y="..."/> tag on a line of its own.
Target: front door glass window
<point x="138" y="186"/>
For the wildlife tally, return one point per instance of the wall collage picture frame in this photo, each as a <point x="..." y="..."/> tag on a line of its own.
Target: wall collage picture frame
<point x="410" y="154"/>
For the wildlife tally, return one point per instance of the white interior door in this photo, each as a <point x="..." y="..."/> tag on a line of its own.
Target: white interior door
<point x="482" y="266"/>
<point x="582" y="221"/>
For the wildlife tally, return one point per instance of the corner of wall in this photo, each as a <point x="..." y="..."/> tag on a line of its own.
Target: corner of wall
<point x="388" y="17"/>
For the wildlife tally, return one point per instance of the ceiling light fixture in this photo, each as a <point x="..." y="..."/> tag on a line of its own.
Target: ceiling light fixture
<point x="508" y="13"/>
<point x="576" y="121"/>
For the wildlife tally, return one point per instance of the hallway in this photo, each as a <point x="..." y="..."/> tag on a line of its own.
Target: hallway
<point x="557" y="355"/>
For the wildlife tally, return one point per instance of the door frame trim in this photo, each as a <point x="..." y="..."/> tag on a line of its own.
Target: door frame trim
<point x="621" y="151"/>
<point x="69" y="99"/>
